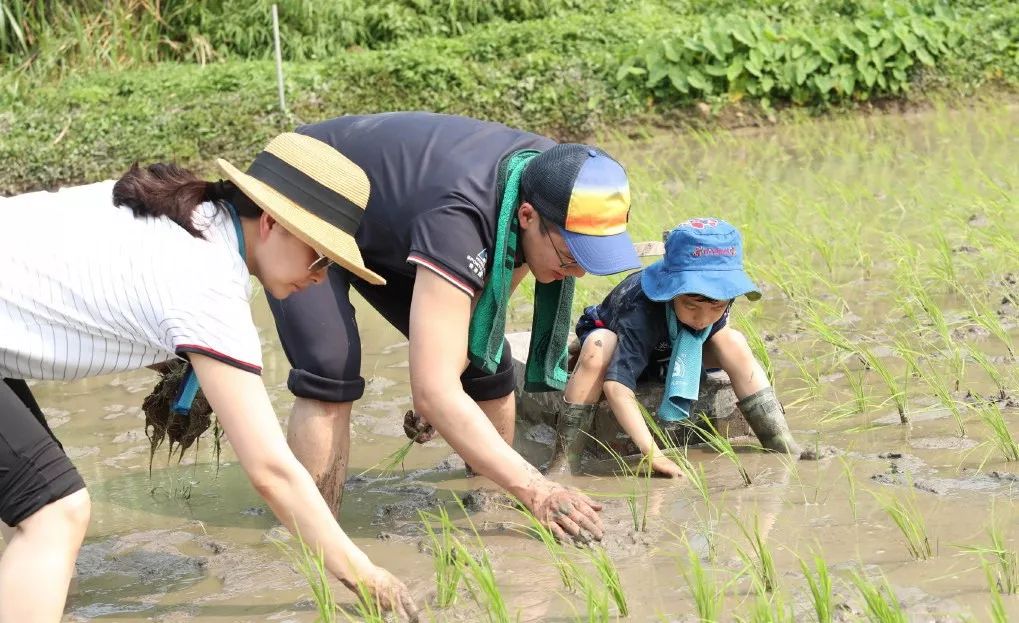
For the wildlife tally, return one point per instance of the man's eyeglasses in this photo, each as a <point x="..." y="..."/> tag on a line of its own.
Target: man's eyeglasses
<point x="320" y="262"/>
<point x="563" y="264"/>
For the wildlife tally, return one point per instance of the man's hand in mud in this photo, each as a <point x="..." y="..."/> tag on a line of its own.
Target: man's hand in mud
<point x="417" y="428"/>
<point x="568" y="513"/>
<point x="382" y="587"/>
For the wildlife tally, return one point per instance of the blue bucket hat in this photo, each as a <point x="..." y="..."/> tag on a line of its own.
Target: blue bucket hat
<point x="702" y="256"/>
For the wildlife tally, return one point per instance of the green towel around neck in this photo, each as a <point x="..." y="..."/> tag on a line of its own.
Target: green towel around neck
<point x="550" y="326"/>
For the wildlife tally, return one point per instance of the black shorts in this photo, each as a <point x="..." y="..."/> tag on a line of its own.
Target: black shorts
<point x="34" y="471"/>
<point x="319" y="334"/>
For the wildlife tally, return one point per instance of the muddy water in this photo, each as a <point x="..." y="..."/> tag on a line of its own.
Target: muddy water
<point x="191" y="543"/>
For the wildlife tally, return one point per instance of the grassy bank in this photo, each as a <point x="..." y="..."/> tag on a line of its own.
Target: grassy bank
<point x="71" y="113"/>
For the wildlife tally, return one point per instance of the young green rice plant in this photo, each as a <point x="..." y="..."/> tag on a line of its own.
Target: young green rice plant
<point x="759" y="558"/>
<point x="987" y="318"/>
<point x="991" y="371"/>
<point x="479" y="577"/>
<point x="639" y="481"/>
<point x="911" y="524"/>
<point x="1002" y="437"/>
<point x="568" y="571"/>
<point x="694" y="475"/>
<point x="880" y="603"/>
<point x="609" y="577"/>
<point x="811" y="379"/>
<point x="937" y="384"/>
<point x="311" y="565"/>
<point x="820" y="588"/>
<point x="368" y="608"/>
<point x="445" y="551"/>
<point x="708" y="596"/>
<point x="1005" y="561"/>
<point x="743" y="321"/>
<point x="897" y="391"/>
<point x="388" y="465"/>
<point x="847" y="469"/>
<point x="770" y="608"/>
<point x="596" y="600"/>
<point x="720" y="444"/>
<point x="998" y="612"/>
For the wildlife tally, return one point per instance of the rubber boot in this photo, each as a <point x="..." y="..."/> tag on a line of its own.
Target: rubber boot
<point x="573" y="425"/>
<point x="766" y="417"/>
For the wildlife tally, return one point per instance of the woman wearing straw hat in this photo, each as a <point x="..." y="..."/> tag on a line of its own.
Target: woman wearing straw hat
<point x="460" y="211"/>
<point x="86" y="289"/>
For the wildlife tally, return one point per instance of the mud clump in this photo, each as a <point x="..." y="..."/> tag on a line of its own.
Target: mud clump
<point x="162" y="423"/>
<point x="486" y="500"/>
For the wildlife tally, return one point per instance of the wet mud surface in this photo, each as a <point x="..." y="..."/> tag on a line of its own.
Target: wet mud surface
<point x="195" y="544"/>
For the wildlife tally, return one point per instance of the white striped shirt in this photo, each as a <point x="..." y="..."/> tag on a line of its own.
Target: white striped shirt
<point x="87" y="288"/>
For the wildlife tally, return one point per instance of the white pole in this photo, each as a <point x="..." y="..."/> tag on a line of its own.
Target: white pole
<point x="279" y="57"/>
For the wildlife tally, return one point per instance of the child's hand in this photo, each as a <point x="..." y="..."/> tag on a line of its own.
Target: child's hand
<point x="664" y="466"/>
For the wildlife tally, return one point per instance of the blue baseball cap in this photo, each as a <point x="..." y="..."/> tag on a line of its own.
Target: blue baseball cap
<point x="702" y="256"/>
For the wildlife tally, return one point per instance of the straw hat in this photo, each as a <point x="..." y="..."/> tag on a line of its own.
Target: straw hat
<point x="314" y="191"/>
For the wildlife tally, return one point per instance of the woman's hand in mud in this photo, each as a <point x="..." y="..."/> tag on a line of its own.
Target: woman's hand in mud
<point x="385" y="589"/>
<point x="416" y="427"/>
<point x="568" y="513"/>
<point x="665" y="467"/>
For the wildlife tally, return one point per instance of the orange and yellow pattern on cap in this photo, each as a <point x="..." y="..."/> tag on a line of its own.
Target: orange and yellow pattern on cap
<point x="600" y="202"/>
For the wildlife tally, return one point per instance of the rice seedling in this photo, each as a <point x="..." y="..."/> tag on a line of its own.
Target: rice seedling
<point x="743" y="321"/>
<point x="990" y="414"/>
<point x="939" y="387"/>
<point x="847" y="469"/>
<point x="311" y="565"/>
<point x="820" y="588"/>
<point x="596" y="600"/>
<point x="388" y="465"/>
<point x="897" y="391"/>
<point x="1006" y="561"/>
<point x="759" y="558"/>
<point x="811" y="379"/>
<point x="445" y="552"/>
<point x="880" y="603"/>
<point x="911" y="524"/>
<point x="609" y="577"/>
<point x="694" y="475"/>
<point x="770" y="608"/>
<point x="708" y="596"/>
<point x="991" y="371"/>
<point x="569" y="574"/>
<point x="998" y="612"/>
<point x="720" y="444"/>
<point x="479" y="576"/>
<point x="987" y="318"/>
<point x="639" y="481"/>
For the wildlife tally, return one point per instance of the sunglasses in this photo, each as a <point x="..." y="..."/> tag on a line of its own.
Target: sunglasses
<point x="563" y="264"/>
<point x="320" y="262"/>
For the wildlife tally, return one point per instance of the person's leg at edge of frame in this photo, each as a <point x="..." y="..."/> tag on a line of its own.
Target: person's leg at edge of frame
<point x="575" y="414"/>
<point x="728" y="349"/>
<point x="318" y="433"/>
<point x="36" y="566"/>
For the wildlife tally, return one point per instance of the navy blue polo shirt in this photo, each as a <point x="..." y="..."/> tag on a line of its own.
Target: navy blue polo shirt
<point x="433" y="192"/>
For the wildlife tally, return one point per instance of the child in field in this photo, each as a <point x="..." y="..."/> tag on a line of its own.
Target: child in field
<point x="674" y="310"/>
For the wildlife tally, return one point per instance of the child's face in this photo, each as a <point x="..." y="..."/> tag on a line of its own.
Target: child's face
<point x="698" y="312"/>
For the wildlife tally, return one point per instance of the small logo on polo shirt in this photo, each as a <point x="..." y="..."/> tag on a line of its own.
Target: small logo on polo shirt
<point x="476" y="263"/>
